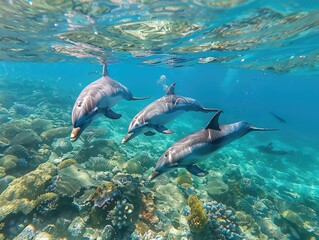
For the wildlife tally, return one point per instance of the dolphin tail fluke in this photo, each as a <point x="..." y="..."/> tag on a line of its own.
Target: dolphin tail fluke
<point x="252" y="128"/>
<point x="154" y="175"/>
<point x="139" y="98"/>
<point x="209" y="109"/>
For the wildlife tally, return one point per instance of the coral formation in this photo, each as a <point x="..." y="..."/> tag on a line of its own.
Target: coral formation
<point x="222" y="221"/>
<point x="197" y="219"/>
<point x="24" y="193"/>
<point x="184" y="179"/>
<point x="98" y="163"/>
<point x="121" y="214"/>
<point x="133" y="166"/>
<point x="22" y="109"/>
<point x="51" y="134"/>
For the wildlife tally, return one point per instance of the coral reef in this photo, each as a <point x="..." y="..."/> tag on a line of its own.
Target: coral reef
<point x="27" y="138"/>
<point x="133" y="166"/>
<point x="222" y="221"/>
<point x="197" y="219"/>
<point x="98" y="163"/>
<point x="22" y="109"/>
<point x="50" y="135"/>
<point x="121" y="214"/>
<point x="24" y="193"/>
<point x="184" y="179"/>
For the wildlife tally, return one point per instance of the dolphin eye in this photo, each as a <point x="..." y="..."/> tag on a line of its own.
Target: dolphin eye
<point x="165" y="155"/>
<point x="79" y="104"/>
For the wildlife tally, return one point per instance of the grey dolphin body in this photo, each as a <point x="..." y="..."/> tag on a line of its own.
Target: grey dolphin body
<point x="188" y="151"/>
<point x="160" y="112"/>
<point x="95" y="99"/>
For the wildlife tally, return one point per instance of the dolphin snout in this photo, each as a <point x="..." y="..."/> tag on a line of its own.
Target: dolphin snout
<point x="75" y="134"/>
<point x="128" y="137"/>
<point x="155" y="174"/>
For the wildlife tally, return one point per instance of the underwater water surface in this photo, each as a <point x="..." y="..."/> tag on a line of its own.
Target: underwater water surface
<point x="257" y="61"/>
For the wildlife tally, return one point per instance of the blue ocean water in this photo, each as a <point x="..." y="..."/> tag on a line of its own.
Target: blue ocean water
<point x="255" y="60"/>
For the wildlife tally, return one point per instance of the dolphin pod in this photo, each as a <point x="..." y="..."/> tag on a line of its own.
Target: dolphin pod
<point x="190" y="150"/>
<point x="161" y="111"/>
<point x="98" y="98"/>
<point x="101" y="95"/>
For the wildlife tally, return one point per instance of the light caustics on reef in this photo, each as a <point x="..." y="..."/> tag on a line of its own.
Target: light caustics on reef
<point x="167" y="33"/>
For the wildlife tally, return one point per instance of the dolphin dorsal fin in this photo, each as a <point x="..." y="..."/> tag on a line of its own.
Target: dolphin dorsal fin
<point x="104" y="70"/>
<point x="171" y="89"/>
<point x="213" y="123"/>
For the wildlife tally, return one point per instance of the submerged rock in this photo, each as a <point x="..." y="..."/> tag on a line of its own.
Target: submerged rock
<point x="133" y="166"/>
<point x="77" y="226"/>
<point x="9" y="162"/>
<point x="17" y="150"/>
<point x="5" y="181"/>
<point x="169" y="197"/>
<point x="27" y="138"/>
<point x="27" y="234"/>
<point x="71" y="179"/>
<point x="62" y="145"/>
<point x="216" y="188"/>
<point x="51" y="134"/>
<point x="40" y="125"/>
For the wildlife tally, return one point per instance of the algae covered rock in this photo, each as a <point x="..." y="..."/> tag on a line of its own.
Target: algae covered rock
<point x="169" y="197"/>
<point x="293" y="217"/>
<point x="22" y="193"/>
<point x="71" y="179"/>
<point x="8" y="162"/>
<point x="216" y="188"/>
<point x="197" y="219"/>
<point x="184" y="179"/>
<point x="27" y="138"/>
<point x="51" y="134"/>
<point x="133" y="166"/>
<point x="66" y="163"/>
<point x="17" y="150"/>
<point x="2" y="172"/>
<point x="40" y="125"/>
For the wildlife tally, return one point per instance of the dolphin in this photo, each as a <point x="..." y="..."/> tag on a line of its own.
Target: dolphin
<point x="280" y="119"/>
<point x="160" y="112"/>
<point x="190" y="150"/>
<point x="269" y="149"/>
<point x="98" y="98"/>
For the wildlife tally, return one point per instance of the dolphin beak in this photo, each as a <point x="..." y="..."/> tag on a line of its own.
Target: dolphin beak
<point x="127" y="137"/>
<point x="155" y="174"/>
<point x="75" y="134"/>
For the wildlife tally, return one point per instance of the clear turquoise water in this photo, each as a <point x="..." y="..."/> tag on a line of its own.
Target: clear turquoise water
<point x="266" y="61"/>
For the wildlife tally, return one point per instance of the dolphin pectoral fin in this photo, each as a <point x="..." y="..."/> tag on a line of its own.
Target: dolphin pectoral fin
<point x="139" y="98"/>
<point x="149" y="133"/>
<point x="194" y="169"/>
<point x="163" y="129"/>
<point x="112" y="115"/>
<point x="209" y="110"/>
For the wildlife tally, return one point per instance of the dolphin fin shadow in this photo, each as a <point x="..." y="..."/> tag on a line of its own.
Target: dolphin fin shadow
<point x="149" y="133"/>
<point x="194" y="169"/>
